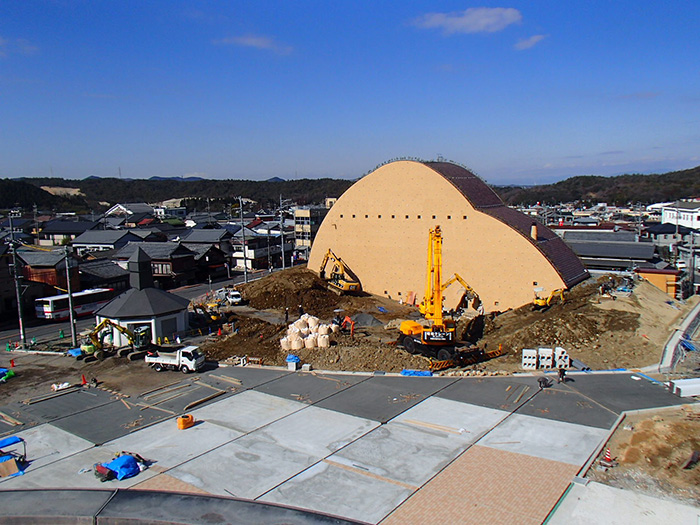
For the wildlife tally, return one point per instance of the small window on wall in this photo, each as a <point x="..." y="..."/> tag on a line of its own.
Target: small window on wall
<point x="418" y="217"/>
<point x="407" y="216"/>
<point x="379" y="216"/>
<point x="366" y="216"/>
<point x="464" y="217"/>
<point x="393" y="216"/>
<point x="434" y="216"/>
<point x="449" y="216"/>
<point x="353" y="215"/>
<point x="341" y="215"/>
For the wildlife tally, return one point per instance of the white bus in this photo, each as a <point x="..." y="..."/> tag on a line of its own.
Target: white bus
<point x="84" y="303"/>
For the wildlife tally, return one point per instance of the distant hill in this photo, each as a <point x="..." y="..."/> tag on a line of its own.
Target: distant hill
<point x="622" y="189"/>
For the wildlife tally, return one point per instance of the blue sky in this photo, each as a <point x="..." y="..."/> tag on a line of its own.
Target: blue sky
<point x="520" y="92"/>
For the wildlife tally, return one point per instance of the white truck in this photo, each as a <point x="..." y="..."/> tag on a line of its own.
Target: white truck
<point x="186" y="360"/>
<point x="229" y="296"/>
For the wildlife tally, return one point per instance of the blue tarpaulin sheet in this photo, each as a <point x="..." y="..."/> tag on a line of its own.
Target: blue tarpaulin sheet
<point x="123" y="467"/>
<point x="420" y="373"/>
<point x="291" y="358"/>
<point x="75" y="352"/>
<point x="688" y="345"/>
<point x="13" y="440"/>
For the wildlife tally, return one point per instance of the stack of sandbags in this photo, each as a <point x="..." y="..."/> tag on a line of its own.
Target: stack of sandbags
<point x="304" y="333"/>
<point x="323" y="341"/>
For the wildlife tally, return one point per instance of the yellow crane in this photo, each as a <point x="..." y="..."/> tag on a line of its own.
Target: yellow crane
<point x="340" y="280"/>
<point x="438" y="339"/>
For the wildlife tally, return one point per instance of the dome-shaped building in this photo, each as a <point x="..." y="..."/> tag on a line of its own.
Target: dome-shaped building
<point x="379" y="228"/>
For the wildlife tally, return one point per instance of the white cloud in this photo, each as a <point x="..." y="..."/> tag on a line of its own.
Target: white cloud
<point x="472" y="20"/>
<point x="527" y="43"/>
<point x="257" y="42"/>
<point x="17" y="46"/>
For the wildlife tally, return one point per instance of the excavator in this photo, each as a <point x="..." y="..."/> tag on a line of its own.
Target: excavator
<point x="340" y="281"/>
<point x="469" y="293"/>
<point x="140" y="338"/>
<point x="438" y="339"/>
<point x="542" y="303"/>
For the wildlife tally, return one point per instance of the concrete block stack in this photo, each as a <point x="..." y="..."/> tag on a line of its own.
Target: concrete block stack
<point x="561" y="358"/>
<point x="545" y="358"/>
<point x="529" y="359"/>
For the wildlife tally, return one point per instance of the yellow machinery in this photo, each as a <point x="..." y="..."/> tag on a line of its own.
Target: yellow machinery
<point x="340" y="280"/>
<point x="140" y="338"/>
<point x="438" y="339"/>
<point x="540" y="303"/>
<point x="208" y="311"/>
<point x="469" y="293"/>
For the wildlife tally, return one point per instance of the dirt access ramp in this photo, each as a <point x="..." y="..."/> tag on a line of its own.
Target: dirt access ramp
<point x="628" y="332"/>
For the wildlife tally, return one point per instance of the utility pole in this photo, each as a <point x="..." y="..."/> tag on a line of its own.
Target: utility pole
<point x="71" y="311"/>
<point x="282" y="231"/>
<point x="245" y="260"/>
<point x="18" y="285"/>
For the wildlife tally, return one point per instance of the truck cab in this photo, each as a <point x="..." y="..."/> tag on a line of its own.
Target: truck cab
<point x="188" y="359"/>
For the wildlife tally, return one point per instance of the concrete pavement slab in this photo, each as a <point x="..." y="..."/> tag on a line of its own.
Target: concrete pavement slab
<point x="168" y="447"/>
<point x="503" y="393"/>
<point x="621" y="391"/>
<point x="47" y="444"/>
<point x="177" y="397"/>
<point x="545" y="438"/>
<point x="75" y="472"/>
<point x="342" y="491"/>
<point x="247" y="411"/>
<point x="70" y="403"/>
<point x="382" y="398"/>
<point x="562" y="404"/>
<point x="317" y="432"/>
<point x="56" y="507"/>
<point x="250" y="377"/>
<point x="153" y="507"/>
<point x="245" y="468"/>
<point x="107" y="422"/>
<point x="310" y="387"/>
<point x="605" y="505"/>
<point x="419" y="443"/>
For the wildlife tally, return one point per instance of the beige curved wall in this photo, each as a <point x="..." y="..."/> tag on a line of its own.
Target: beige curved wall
<point x="379" y="227"/>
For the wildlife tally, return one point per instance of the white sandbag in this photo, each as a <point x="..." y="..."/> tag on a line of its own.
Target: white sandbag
<point x="335" y="328"/>
<point x="310" y="342"/>
<point x="301" y="324"/>
<point x="285" y="344"/>
<point x="324" y="329"/>
<point x="312" y="321"/>
<point x="323" y="341"/>
<point x="297" y="344"/>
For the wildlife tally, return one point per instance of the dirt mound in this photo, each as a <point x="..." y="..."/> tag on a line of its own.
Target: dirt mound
<point x="652" y="451"/>
<point x="603" y="333"/>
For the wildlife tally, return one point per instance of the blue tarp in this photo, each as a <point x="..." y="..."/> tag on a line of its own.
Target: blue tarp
<point x="75" y="352"/>
<point x="13" y="440"/>
<point x="421" y="373"/>
<point x="688" y="345"/>
<point x="291" y="358"/>
<point x="123" y="467"/>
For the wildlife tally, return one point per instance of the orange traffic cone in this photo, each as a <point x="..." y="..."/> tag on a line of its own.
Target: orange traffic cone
<point x="608" y="456"/>
<point x="83" y="381"/>
<point x="219" y="332"/>
<point x="12" y="363"/>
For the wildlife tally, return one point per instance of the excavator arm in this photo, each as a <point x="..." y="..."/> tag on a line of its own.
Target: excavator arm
<point x="339" y="280"/>
<point x="94" y="334"/>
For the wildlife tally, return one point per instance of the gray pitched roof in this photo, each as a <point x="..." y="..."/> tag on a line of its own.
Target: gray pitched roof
<point x="41" y="258"/>
<point x="155" y="250"/>
<point x="202" y="249"/>
<point x="103" y="237"/>
<point x="103" y="268"/>
<point x="206" y="236"/>
<point x="618" y="250"/>
<point x="149" y="302"/>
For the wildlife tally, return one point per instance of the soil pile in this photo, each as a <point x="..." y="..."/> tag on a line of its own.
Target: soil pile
<point x="652" y="451"/>
<point x="604" y="333"/>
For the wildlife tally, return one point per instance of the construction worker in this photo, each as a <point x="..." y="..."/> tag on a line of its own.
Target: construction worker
<point x="562" y="375"/>
<point x="286" y="315"/>
<point x="301" y="311"/>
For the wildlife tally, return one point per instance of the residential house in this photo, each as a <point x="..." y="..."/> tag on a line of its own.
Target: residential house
<point x="682" y="213"/>
<point x="49" y="269"/>
<point x="129" y="208"/>
<point x="101" y="240"/>
<point x="307" y="221"/>
<point x="666" y="280"/>
<point x="61" y="232"/>
<point x="172" y="263"/>
<point x="8" y="292"/>
<point x="211" y="261"/>
<point x="220" y="238"/>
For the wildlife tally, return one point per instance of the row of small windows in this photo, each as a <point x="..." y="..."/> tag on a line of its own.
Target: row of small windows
<point x="449" y="217"/>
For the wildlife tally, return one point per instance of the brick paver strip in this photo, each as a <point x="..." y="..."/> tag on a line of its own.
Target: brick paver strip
<point x="486" y="485"/>
<point x="166" y="483"/>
